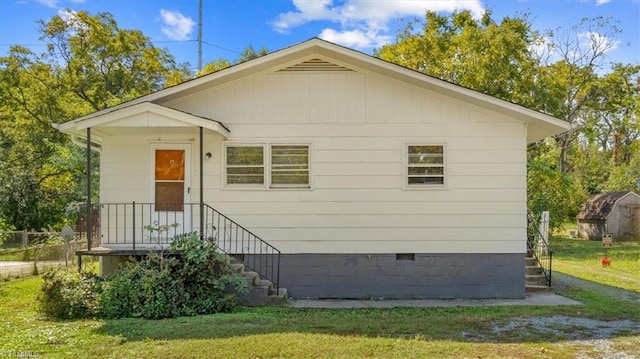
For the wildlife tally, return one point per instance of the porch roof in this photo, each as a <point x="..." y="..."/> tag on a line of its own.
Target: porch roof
<point x="138" y="116"/>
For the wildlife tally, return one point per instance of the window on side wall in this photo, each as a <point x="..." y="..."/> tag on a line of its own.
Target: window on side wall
<point x="245" y="164"/>
<point x="282" y="166"/>
<point x="290" y="166"/>
<point x="425" y="165"/>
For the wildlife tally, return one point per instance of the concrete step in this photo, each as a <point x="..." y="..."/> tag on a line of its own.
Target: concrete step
<point x="532" y="288"/>
<point x="237" y="267"/>
<point x="279" y="298"/>
<point x="535" y="279"/>
<point x="252" y="278"/>
<point x="530" y="261"/>
<point x="533" y="270"/>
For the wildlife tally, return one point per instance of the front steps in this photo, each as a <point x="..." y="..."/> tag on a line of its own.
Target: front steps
<point x="261" y="291"/>
<point x="535" y="281"/>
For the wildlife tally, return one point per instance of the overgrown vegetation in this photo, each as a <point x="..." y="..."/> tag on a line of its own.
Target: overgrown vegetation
<point x="69" y="294"/>
<point x="195" y="280"/>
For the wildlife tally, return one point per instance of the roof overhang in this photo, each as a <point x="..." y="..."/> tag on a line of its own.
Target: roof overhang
<point x="135" y="117"/>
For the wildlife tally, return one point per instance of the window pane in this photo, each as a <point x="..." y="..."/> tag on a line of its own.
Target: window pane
<point x="245" y="155"/>
<point x="245" y="175"/>
<point x="170" y="165"/>
<point x="426" y="154"/>
<point x="290" y="178"/>
<point x="426" y="180"/>
<point x="426" y="170"/>
<point x="169" y="196"/>
<point x="425" y="165"/>
<point x="245" y="165"/>
<point x="290" y="165"/>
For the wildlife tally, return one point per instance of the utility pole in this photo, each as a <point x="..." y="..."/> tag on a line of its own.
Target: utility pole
<point x="200" y="35"/>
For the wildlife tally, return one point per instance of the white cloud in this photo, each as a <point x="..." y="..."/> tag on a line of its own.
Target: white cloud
<point x="601" y="2"/>
<point x="67" y="15"/>
<point x="597" y="42"/>
<point x="176" y="26"/>
<point x="355" y="38"/>
<point x="363" y="23"/>
<point x="49" y="3"/>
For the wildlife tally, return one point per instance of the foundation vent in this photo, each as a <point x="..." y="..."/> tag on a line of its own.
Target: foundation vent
<point x="315" y="65"/>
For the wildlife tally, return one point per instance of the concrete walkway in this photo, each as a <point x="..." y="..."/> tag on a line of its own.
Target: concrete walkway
<point x="17" y="268"/>
<point x="537" y="299"/>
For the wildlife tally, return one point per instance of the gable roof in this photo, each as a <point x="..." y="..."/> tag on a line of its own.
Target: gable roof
<point x="143" y="114"/>
<point x="315" y="52"/>
<point x="599" y="206"/>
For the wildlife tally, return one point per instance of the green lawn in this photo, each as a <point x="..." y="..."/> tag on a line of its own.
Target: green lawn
<point x="284" y="332"/>
<point x="580" y="258"/>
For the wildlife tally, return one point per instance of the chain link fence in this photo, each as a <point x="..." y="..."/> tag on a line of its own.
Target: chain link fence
<point x="25" y="253"/>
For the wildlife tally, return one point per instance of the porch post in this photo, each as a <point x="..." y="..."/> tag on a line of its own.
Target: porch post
<point x="89" y="221"/>
<point x="201" y="183"/>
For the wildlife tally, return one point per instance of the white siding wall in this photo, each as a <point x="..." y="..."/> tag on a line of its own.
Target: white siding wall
<point x="356" y="124"/>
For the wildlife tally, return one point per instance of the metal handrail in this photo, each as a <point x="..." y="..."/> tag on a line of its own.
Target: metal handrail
<point x="254" y="252"/>
<point x="539" y="247"/>
<point x="128" y="225"/>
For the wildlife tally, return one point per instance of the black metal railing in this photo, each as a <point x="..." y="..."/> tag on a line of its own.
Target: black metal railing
<point x="539" y="247"/>
<point x="237" y="241"/>
<point x="135" y="226"/>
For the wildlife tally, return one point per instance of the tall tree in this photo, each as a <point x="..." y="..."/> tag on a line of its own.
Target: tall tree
<point x="90" y="63"/>
<point x="101" y="63"/>
<point x="573" y="58"/>
<point x="470" y="52"/>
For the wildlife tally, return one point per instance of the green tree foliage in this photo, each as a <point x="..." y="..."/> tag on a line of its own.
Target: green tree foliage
<point x="549" y="189"/>
<point x="470" y="52"/>
<point x="215" y="66"/>
<point x="90" y="63"/>
<point x="250" y="54"/>
<point x="102" y="64"/>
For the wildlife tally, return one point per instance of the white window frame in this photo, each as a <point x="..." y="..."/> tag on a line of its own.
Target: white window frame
<point x="271" y="166"/>
<point x="444" y="165"/>
<point x="225" y="166"/>
<point x="267" y="164"/>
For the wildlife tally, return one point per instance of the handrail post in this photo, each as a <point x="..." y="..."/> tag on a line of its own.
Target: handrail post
<point x="201" y="184"/>
<point x="133" y="225"/>
<point x="89" y="222"/>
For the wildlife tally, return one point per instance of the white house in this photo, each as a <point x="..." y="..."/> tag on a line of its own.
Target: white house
<point x="370" y="179"/>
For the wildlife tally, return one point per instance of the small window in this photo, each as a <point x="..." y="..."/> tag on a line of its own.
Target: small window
<point x="245" y="165"/>
<point x="425" y="165"/>
<point x="289" y="165"/>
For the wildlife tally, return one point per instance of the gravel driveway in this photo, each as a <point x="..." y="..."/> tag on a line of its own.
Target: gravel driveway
<point x="594" y="338"/>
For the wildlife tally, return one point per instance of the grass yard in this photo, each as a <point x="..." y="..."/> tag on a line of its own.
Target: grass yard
<point x="284" y="332"/>
<point x="580" y="258"/>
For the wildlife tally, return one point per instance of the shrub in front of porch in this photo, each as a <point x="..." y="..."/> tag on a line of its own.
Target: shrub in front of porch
<point x="196" y="280"/>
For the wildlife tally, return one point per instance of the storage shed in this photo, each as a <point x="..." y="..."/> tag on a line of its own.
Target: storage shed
<point x="613" y="212"/>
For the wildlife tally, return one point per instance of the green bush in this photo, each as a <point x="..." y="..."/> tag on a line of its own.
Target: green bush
<point x="68" y="294"/>
<point x="193" y="279"/>
<point x="144" y="289"/>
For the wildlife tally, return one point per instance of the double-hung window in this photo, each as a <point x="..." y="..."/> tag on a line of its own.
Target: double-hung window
<point x="267" y="165"/>
<point x="425" y="165"/>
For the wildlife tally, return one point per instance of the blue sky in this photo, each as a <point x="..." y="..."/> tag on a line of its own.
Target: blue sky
<point x="231" y="25"/>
